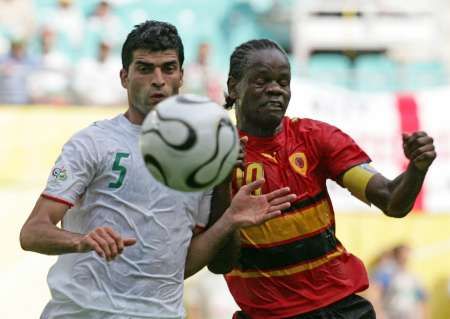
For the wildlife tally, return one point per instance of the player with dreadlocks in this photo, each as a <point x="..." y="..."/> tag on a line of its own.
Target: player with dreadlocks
<point x="293" y="266"/>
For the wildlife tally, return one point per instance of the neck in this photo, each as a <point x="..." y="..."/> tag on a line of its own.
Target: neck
<point x="134" y="117"/>
<point x="259" y="131"/>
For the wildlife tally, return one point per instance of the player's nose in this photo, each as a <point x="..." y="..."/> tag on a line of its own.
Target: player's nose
<point x="274" y="89"/>
<point x="158" y="78"/>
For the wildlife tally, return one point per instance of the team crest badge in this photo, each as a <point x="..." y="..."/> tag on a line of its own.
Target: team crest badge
<point x="299" y="163"/>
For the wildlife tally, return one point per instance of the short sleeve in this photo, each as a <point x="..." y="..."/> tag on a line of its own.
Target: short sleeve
<point x="73" y="170"/>
<point x="339" y="151"/>
<point x="204" y="209"/>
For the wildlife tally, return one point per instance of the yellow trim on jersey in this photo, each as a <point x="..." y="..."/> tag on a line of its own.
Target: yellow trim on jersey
<point x="291" y="225"/>
<point x="356" y="180"/>
<point x="273" y="159"/>
<point x="287" y="271"/>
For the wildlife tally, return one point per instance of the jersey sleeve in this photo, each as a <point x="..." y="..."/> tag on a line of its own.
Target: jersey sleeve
<point x="340" y="152"/>
<point x="204" y="209"/>
<point x="73" y="170"/>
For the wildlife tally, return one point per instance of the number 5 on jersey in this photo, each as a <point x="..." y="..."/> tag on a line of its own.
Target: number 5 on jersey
<point x="117" y="167"/>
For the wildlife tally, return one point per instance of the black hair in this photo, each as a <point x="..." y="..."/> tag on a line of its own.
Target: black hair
<point x="239" y="61"/>
<point x="153" y="36"/>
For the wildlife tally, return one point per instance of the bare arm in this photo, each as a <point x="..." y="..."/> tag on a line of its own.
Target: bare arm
<point x="228" y="254"/>
<point x="245" y="210"/>
<point x="40" y="234"/>
<point x="396" y="197"/>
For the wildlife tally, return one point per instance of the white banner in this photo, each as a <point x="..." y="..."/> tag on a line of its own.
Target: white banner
<point x="376" y="121"/>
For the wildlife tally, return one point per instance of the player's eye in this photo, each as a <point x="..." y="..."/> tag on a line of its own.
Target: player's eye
<point x="284" y="82"/>
<point x="169" y="68"/>
<point x="143" y="68"/>
<point x="259" y="81"/>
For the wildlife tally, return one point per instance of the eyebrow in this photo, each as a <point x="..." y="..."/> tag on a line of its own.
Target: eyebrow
<point x="143" y="63"/>
<point x="264" y="70"/>
<point x="262" y="66"/>
<point x="150" y="64"/>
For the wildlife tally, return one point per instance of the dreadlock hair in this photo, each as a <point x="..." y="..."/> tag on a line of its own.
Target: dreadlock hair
<point x="239" y="61"/>
<point x="153" y="36"/>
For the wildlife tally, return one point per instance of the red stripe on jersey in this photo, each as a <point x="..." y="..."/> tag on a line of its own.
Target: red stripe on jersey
<point x="57" y="199"/>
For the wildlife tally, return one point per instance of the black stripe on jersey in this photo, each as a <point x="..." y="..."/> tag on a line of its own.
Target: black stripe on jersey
<point x="302" y="250"/>
<point x="306" y="202"/>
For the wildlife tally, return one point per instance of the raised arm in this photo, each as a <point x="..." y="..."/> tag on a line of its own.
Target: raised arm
<point x="245" y="210"/>
<point x="41" y="234"/>
<point x="396" y="197"/>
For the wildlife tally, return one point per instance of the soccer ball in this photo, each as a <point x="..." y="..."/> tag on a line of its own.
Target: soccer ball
<point x="188" y="143"/>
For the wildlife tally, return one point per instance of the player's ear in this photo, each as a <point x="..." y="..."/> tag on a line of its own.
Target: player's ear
<point x="181" y="77"/>
<point x="124" y="78"/>
<point x="231" y="83"/>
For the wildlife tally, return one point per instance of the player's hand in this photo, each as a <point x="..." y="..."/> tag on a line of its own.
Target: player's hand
<point x="419" y="149"/>
<point x="249" y="210"/>
<point x="106" y="242"/>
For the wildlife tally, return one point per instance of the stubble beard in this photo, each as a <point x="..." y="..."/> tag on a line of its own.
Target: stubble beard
<point x="142" y="109"/>
<point x="142" y="106"/>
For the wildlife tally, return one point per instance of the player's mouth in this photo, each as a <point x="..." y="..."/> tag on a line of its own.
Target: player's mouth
<point x="274" y="105"/>
<point x="157" y="97"/>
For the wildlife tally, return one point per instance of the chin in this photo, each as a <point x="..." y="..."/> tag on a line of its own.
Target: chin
<point x="273" y="121"/>
<point x="144" y="110"/>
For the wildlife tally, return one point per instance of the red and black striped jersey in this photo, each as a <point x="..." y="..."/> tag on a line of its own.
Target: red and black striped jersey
<point x="294" y="263"/>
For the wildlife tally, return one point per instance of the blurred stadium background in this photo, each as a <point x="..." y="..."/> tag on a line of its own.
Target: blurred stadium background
<point x="374" y="68"/>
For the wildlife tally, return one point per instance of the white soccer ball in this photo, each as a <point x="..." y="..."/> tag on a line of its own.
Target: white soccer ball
<point x="188" y="143"/>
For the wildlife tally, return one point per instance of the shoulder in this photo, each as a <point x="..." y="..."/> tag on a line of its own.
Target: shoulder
<point x="93" y="137"/>
<point x="86" y="134"/>
<point x="97" y="129"/>
<point x="308" y="125"/>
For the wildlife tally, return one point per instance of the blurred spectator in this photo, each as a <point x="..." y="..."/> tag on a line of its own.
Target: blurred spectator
<point x="381" y="269"/>
<point x="201" y="78"/>
<point x="68" y="23"/>
<point x="4" y="44"/>
<point x="105" y="24"/>
<point x="49" y="83"/>
<point x="274" y="20"/>
<point x="15" y="68"/>
<point x="17" y="18"/>
<point x="97" y="80"/>
<point x="401" y="294"/>
<point x="207" y="296"/>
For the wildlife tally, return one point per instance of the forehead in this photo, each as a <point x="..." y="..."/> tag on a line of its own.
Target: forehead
<point x="267" y="59"/>
<point x="155" y="57"/>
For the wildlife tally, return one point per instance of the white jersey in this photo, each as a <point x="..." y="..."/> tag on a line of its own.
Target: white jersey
<point x="101" y="173"/>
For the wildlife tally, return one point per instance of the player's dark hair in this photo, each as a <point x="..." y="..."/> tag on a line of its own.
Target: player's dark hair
<point x="240" y="58"/>
<point x="154" y="36"/>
